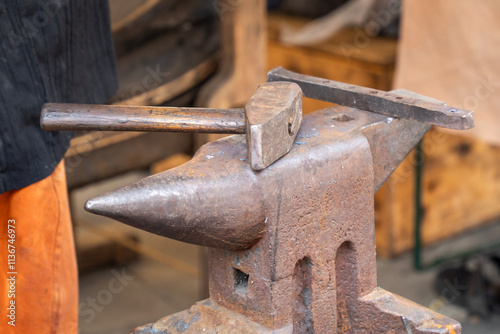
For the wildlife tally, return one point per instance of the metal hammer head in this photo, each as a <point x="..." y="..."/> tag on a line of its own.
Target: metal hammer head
<point x="273" y="118"/>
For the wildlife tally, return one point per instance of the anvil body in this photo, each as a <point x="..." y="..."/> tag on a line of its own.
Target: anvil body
<point x="292" y="247"/>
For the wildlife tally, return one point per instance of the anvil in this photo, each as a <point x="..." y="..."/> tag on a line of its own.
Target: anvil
<point x="292" y="247"/>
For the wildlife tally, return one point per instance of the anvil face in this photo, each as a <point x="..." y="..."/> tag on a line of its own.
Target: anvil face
<point x="292" y="246"/>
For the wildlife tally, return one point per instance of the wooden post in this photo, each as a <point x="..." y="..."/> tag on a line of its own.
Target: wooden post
<point x="243" y="62"/>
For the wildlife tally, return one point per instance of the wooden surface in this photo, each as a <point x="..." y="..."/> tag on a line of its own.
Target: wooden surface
<point x="99" y="155"/>
<point x="170" y="162"/>
<point x="134" y="21"/>
<point x="341" y="58"/>
<point x="94" y="251"/>
<point x="100" y="244"/>
<point x="242" y="67"/>
<point x="165" y="93"/>
<point x="460" y="190"/>
<point x="166" y="66"/>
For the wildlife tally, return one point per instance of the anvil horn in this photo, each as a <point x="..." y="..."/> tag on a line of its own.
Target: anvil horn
<point x="205" y="201"/>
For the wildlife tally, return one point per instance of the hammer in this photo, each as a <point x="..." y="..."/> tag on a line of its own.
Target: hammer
<point x="270" y="120"/>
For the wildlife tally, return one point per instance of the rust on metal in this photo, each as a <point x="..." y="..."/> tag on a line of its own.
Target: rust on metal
<point x="378" y="101"/>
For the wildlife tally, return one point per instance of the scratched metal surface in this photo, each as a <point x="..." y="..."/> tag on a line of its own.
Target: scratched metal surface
<point x="292" y="246"/>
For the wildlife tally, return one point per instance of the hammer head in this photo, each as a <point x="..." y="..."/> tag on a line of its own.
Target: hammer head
<point x="273" y="118"/>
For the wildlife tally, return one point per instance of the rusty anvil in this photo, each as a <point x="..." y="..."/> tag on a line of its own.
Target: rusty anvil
<point x="292" y="247"/>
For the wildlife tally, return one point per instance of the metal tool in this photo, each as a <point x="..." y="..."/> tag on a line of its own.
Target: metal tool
<point x="292" y="247"/>
<point x="271" y="120"/>
<point x="385" y="103"/>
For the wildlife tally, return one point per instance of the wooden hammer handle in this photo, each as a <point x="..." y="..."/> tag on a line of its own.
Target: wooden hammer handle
<point x="64" y="116"/>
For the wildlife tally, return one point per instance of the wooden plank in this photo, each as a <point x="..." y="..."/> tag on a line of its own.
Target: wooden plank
<point x="135" y="21"/>
<point x="460" y="190"/>
<point x="159" y="95"/>
<point x="86" y="143"/>
<point x="353" y="43"/>
<point x="98" y="237"/>
<point x="98" y="245"/>
<point x="100" y="155"/>
<point x="170" y="162"/>
<point x="94" y="251"/>
<point x="340" y="58"/>
<point x="167" y="66"/>
<point x="242" y="70"/>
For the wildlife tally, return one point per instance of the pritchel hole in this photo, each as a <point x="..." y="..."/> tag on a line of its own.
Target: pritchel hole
<point x="343" y="118"/>
<point x="240" y="281"/>
<point x="290" y="124"/>
<point x="399" y="98"/>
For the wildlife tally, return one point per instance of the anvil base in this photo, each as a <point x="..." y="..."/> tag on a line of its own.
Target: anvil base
<point x="384" y="313"/>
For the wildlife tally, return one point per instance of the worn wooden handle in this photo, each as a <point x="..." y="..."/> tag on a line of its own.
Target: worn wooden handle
<point x="64" y="116"/>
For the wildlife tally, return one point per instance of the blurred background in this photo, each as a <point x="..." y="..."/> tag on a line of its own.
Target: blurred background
<point x="437" y="217"/>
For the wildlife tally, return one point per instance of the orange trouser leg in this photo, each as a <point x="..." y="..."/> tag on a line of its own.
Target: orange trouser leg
<point x="46" y="283"/>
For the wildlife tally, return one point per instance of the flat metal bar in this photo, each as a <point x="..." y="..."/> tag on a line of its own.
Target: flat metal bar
<point x="377" y="101"/>
<point x="65" y="116"/>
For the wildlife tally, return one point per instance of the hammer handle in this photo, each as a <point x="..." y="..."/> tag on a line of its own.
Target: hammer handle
<point x="65" y="116"/>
